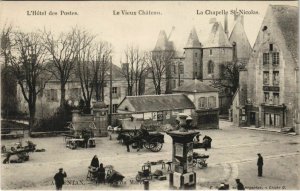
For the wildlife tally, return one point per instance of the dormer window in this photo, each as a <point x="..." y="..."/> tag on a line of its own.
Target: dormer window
<point x="271" y="47"/>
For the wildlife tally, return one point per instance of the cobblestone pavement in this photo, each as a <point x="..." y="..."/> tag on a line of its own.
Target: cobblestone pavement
<point x="233" y="155"/>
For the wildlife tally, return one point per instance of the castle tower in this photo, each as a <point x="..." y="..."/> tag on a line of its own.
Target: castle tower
<point x="164" y="47"/>
<point x="193" y="57"/>
<point x="217" y="51"/>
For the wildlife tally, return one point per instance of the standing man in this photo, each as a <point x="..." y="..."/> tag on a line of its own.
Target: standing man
<point x="239" y="185"/>
<point x="59" y="179"/>
<point x="260" y="163"/>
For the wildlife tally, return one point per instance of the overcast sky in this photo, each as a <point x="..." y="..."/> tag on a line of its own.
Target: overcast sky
<point x="141" y="30"/>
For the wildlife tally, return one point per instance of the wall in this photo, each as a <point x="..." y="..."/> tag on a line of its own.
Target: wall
<point x="192" y="62"/>
<point x="219" y="56"/>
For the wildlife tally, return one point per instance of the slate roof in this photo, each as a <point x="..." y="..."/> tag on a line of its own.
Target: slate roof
<point x="195" y="86"/>
<point x="163" y="43"/>
<point x="217" y="37"/>
<point x="164" y="102"/>
<point x="193" y="40"/>
<point x="239" y="36"/>
<point x="287" y="20"/>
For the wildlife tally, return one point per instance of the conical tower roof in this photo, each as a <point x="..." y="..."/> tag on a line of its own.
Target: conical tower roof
<point x="193" y="40"/>
<point x="238" y="35"/>
<point x="162" y="41"/>
<point x="217" y="37"/>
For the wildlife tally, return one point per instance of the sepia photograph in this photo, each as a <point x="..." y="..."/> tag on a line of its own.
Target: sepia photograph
<point x="141" y="95"/>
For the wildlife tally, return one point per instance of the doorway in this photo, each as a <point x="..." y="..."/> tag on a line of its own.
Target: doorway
<point x="252" y="118"/>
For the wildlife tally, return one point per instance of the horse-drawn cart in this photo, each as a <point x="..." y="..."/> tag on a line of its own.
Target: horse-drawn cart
<point x="152" y="141"/>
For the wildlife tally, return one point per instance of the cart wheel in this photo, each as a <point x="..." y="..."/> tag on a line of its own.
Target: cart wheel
<point x="155" y="145"/>
<point x="148" y="145"/>
<point x="138" y="177"/>
<point x="194" y="162"/>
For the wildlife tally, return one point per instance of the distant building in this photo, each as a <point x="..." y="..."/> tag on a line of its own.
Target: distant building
<point x="173" y="71"/>
<point x="161" y="108"/>
<point x="268" y="95"/>
<point x="49" y="99"/>
<point x="206" y="61"/>
<point x="206" y="101"/>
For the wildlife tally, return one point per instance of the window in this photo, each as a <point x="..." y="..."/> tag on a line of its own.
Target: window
<point x="181" y="69"/>
<point x="276" y="78"/>
<point x="212" y="102"/>
<point x="271" y="47"/>
<point x="114" y="108"/>
<point x="277" y="120"/>
<point x="195" y="75"/>
<point x="276" y="98"/>
<point x="202" y="102"/>
<point x="174" y="69"/>
<point x="267" y="97"/>
<point x="267" y="119"/>
<point x="174" y="84"/>
<point x="114" y="90"/>
<point x="210" y="51"/>
<point x="266" y="77"/>
<point x="51" y="95"/>
<point x="275" y="58"/>
<point x="210" y="67"/>
<point x="196" y="54"/>
<point x="266" y="58"/>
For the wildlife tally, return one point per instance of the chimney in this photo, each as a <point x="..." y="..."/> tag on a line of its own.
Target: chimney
<point x="212" y="20"/>
<point x="226" y="24"/>
<point x="234" y="52"/>
<point x="242" y="19"/>
<point x="239" y="17"/>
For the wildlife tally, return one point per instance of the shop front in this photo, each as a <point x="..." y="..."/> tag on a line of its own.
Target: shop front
<point x="274" y="115"/>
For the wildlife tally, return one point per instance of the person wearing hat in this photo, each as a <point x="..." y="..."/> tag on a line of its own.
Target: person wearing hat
<point x="260" y="163"/>
<point x="239" y="185"/>
<point x="59" y="178"/>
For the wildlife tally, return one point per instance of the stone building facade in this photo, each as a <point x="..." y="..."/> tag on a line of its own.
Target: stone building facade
<point x="272" y="94"/>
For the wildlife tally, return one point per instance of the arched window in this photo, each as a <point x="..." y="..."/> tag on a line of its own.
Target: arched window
<point x="210" y="67"/>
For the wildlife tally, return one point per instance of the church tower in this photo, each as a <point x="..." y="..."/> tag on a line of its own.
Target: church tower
<point x="193" y="68"/>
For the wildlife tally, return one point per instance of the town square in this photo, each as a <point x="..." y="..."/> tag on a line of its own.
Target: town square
<point x="150" y="96"/>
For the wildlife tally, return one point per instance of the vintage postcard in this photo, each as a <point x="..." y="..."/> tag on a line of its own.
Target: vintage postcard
<point x="140" y="95"/>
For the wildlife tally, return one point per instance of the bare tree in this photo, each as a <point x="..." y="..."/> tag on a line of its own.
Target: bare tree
<point x="134" y="70"/>
<point x="100" y="62"/>
<point x="28" y="65"/>
<point x="229" y="76"/>
<point x="159" y="64"/>
<point x="6" y="43"/>
<point x="84" y="66"/>
<point x="8" y="81"/>
<point x="63" y="50"/>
